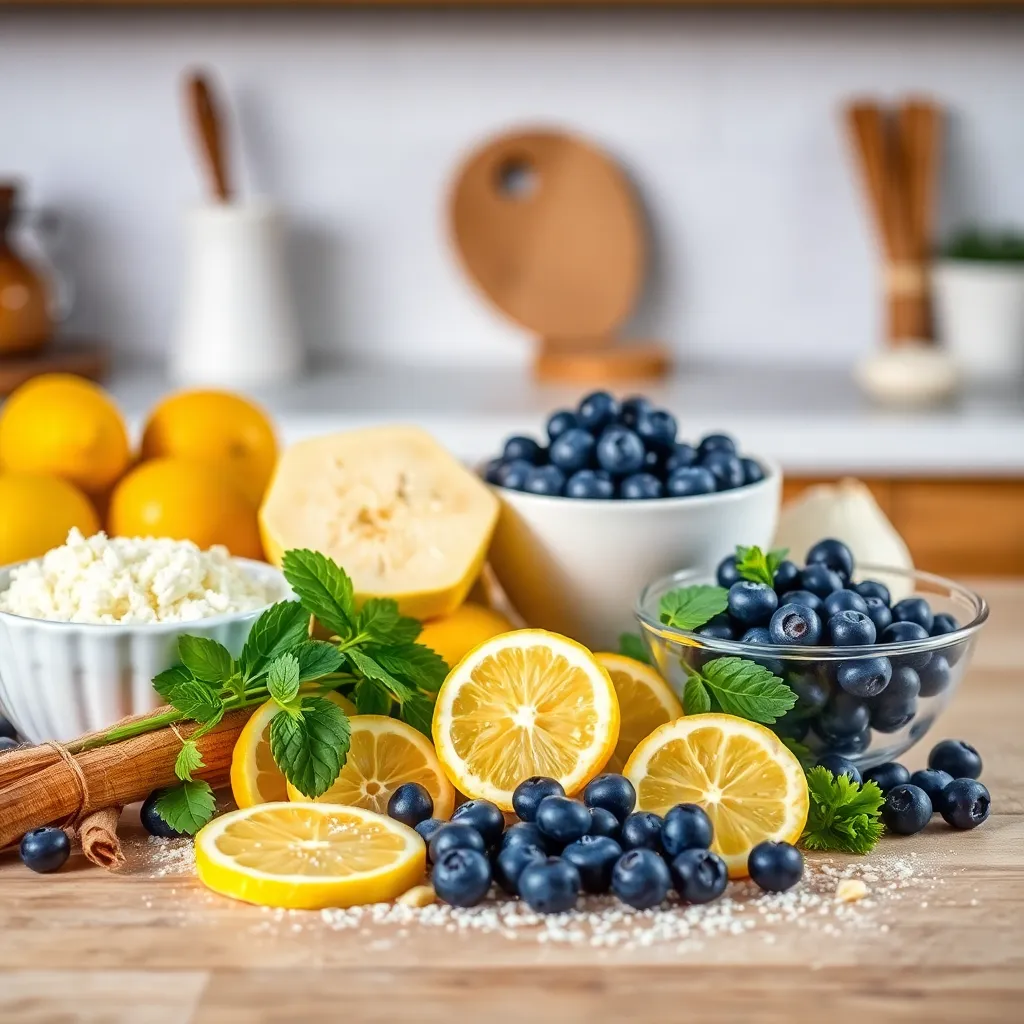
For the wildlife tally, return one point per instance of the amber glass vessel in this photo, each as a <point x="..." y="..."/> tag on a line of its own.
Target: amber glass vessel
<point x="25" y="322"/>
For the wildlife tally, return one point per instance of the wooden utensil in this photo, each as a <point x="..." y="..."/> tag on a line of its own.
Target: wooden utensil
<point x="549" y="229"/>
<point x="209" y="129"/>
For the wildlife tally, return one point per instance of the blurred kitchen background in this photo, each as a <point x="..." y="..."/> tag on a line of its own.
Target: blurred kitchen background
<point x="763" y="279"/>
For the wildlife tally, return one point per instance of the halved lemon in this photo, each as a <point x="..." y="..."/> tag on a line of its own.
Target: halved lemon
<point x="308" y="856"/>
<point x="255" y="778"/>
<point x="750" y="784"/>
<point x="645" y="702"/>
<point x="521" y="704"/>
<point x="384" y="754"/>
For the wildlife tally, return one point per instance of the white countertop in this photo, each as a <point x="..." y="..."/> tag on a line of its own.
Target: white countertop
<point x="813" y="422"/>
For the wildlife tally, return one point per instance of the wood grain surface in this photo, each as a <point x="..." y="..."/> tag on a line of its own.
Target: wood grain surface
<point x="84" y="945"/>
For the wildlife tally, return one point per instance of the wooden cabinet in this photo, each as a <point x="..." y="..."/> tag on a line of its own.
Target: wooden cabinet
<point x="955" y="527"/>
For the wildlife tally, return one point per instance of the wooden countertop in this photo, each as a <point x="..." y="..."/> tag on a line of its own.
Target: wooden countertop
<point x="941" y="936"/>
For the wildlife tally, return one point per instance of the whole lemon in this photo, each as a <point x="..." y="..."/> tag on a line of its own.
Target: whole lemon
<point x="217" y="427"/>
<point x="454" y="636"/>
<point x="36" y="513"/>
<point x="61" y="425"/>
<point x="185" y="501"/>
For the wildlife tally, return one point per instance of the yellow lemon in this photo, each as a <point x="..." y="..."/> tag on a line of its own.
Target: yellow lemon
<point x="61" y="425"/>
<point x="255" y="777"/>
<point x="645" y="702"/>
<point x="220" y="428"/>
<point x="36" y="513"/>
<point x="383" y="755"/>
<point x="521" y="704"/>
<point x="748" y="781"/>
<point x="455" y="635"/>
<point x="308" y="856"/>
<point x="187" y="501"/>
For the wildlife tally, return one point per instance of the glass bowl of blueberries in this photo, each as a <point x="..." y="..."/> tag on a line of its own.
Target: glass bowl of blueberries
<point x="871" y="663"/>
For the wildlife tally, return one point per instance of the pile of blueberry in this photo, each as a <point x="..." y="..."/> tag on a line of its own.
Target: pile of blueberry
<point x="607" y="449"/>
<point x="839" y="702"/>
<point x="562" y="847"/>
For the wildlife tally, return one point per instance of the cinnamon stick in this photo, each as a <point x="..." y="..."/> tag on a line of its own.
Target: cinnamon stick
<point x="98" y="835"/>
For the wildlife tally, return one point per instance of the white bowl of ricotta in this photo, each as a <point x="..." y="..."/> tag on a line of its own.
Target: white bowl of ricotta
<point x="85" y="628"/>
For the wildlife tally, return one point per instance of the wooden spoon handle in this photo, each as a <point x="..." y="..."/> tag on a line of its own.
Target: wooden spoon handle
<point x="210" y="130"/>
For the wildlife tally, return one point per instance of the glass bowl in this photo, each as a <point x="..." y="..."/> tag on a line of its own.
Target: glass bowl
<point x="867" y="731"/>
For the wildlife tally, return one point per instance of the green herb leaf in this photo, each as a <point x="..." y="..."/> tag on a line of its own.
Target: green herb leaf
<point x="317" y="658"/>
<point x="695" y="697"/>
<point x="803" y="753"/>
<point x="188" y="807"/>
<point x="207" y="660"/>
<point x="278" y="629"/>
<point x="195" y="700"/>
<point x="167" y="680"/>
<point x="188" y="761"/>
<point x="843" y="815"/>
<point x="412" y="663"/>
<point x="747" y="690"/>
<point x="418" y="711"/>
<point x="371" y="698"/>
<point x="380" y="620"/>
<point x="371" y="669"/>
<point x="283" y="682"/>
<point x="632" y="646"/>
<point x="311" y="747"/>
<point x="323" y="587"/>
<point x="692" y="607"/>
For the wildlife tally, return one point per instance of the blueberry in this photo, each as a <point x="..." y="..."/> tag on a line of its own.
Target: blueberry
<point x="811" y="695"/>
<point x="682" y="483"/>
<point x="427" y="828"/>
<point x="957" y="758"/>
<point x="933" y="782"/>
<point x="604" y="823"/>
<point x="510" y="861"/>
<point x="462" y="877"/>
<point x="890" y="714"/>
<point x="657" y="429"/>
<point x="522" y="833"/>
<point x="492" y="474"/>
<point x="550" y="886"/>
<point x="914" y="609"/>
<point x="906" y="810"/>
<point x="806" y="598"/>
<point x="590" y="483"/>
<point x="719" y="628"/>
<point x="45" y="849"/>
<point x="410" y="804"/>
<point x="854" y="743"/>
<point x="844" y="715"/>
<point x="965" y="803"/>
<point x="795" y="624"/>
<point x="455" y="836"/>
<point x="838" y="765"/>
<point x="716" y="443"/>
<point x="943" y="624"/>
<point x="851" y="629"/>
<point x="758" y="636"/>
<point x="820" y="580"/>
<point x="560" y="422"/>
<point x="686" y="827"/>
<point x="632" y="408"/>
<point x="513" y="475"/>
<point x="725" y="468"/>
<point x="887" y="775"/>
<point x="727" y="574"/>
<point x="620" y="451"/>
<point x="7" y="729"/>
<point x="562" y="820"/>
<point x="752" y="603"/>
<point x="640" y="486"/>
<point x="573" y="450"/>
<point x="872" y="588"/>
<point x="548" y="480"/>
<point x="753" y="473"/>
<point x="792" y="726"/>
<point x="842" y="601"/>
<point x="905" y="683"/>
<point x="640" y="878"/>
<point x="907" y="632"/>
<point x="641" y="830"/>
<point x="524" y="448"/>
<point x="699" y="876"/>
<point x="597" y="411"/>
<point x="682" y="456"/>
<point x="878" y="612"/>
<point x="613" y="793"/>
<point x="775" y="867"/>
<point x="935" y="676"/>
<point x="152" y="822"/>
<point x="529" y="793"/>
<point x="833" y="554"/>
<point x="594" y="857"/>
<point x="787" y="577"/>
<point x="864" y="677"/>
<point x="484" y="817"/>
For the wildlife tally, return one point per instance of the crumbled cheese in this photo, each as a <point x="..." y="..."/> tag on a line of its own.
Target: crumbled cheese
<point x="849" y="890"/>
<point x="131" y="581"/>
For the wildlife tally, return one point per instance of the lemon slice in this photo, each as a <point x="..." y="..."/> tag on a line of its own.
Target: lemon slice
<point x="645" y="702"/>
<point x="750" y="784"/>
<point x="384" y="754"/>
<point x="255" y="777"/>
<point x="525" y="703"/>
<point x="308" y="856"/>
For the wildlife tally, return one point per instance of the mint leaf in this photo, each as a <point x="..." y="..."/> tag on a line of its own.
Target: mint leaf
<point x="311" y="747"/>
<point x="323" y="587"/>
<point x="278" y="629"/>
<point x="632" y="646"/>
<point x="371" y="669"/>
<point x="775" y="558"/>
<point x="188" y="761"/>
<point x="692" y="607"/>
<point x="412" y="663"/>
<point x="371" y="698"/>
<point x="283" y="682"/>
<point x="418" y="711"/>
<point x="169" y="679"/>
<point x="195" y="700"/>
<point x="695" y="697"/>
<point x="188" y="807"/>
<point x="380" y="620"/>
<point x="317" y="658"/>
<point x="747" y="690"/>
<point x="754" y="565"/>
<point x="207" y="660"/>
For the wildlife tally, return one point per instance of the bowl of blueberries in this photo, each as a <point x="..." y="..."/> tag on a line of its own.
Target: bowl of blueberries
<point x="870" y="674"/>
<point x="607" y="499"/>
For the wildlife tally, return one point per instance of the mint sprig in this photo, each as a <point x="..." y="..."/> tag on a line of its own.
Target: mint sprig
<point x="310" y="742"/>
<point x="754" y="565"/>
<point x="188" y="806"/>
<point x="692" y="607"/>
<point x="738" y="687"/>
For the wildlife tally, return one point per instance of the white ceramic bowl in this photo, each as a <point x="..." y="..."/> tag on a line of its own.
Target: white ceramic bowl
<point x="577" y="566"/>
<point x="61" y="679"/>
